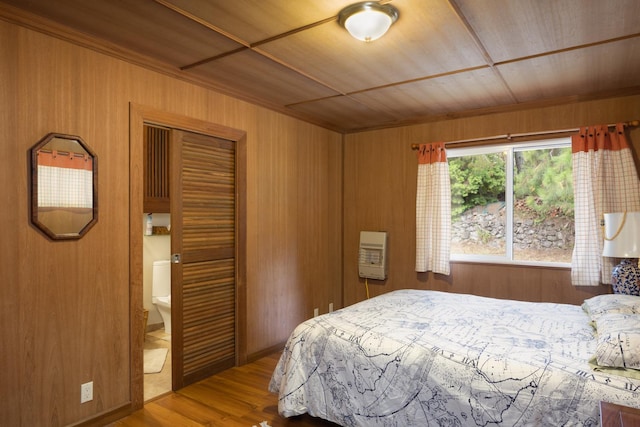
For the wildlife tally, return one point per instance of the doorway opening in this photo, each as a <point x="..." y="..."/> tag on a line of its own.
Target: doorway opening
<point x="149" y="336"/>
<point x="157" y="304"/>
<point x="156" y="226"/>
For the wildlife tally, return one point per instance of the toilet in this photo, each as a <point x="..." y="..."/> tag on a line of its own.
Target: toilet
<point x="161" y="291"/>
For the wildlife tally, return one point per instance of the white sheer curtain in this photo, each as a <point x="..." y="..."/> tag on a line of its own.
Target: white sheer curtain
<point x="604" y="180"/>
<point x="433" y="210"/>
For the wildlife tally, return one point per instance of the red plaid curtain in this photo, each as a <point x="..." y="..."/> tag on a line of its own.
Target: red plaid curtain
<point x="604" y="180"/>
<point x="433" y="210"/>
<point x="65" y="180"/>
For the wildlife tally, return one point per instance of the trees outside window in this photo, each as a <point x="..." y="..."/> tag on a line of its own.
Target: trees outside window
<point x="512" y="203"/>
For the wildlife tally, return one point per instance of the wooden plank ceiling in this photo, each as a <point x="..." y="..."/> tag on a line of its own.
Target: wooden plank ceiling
<point x="442" y="58"/>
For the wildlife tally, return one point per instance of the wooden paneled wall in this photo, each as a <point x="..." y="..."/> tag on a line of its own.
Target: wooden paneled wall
<point x="380" y="190"/>
<point x="64" y="306"/>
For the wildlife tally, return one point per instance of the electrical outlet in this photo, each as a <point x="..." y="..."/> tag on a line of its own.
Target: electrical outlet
<point x="330" y="307"/>
<point x="315" y="312"/>
<point x="86" y="392"/>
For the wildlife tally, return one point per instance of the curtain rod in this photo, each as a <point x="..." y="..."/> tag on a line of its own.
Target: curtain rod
<point x="529" y="135"/>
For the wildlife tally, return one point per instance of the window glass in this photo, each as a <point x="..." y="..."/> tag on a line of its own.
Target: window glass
<point x="478" y="203"/>
<point x="512" y="203"/>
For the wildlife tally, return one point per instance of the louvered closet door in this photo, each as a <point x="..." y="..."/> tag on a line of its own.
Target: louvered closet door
<point x="203" y="232"/>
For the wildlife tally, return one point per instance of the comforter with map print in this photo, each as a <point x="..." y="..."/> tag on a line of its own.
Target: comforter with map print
<point x="427" y="358"/>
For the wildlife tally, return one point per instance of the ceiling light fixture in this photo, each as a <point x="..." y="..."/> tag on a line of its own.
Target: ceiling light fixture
<point x="369" y="20"/>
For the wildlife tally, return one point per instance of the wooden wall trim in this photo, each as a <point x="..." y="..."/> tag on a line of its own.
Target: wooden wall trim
<point x="523" y="106"/>
<point x="136" y="177"/>
<point x="265" y="352"/>
<point x="106" y="417"/>
<point x="241" y="250"/>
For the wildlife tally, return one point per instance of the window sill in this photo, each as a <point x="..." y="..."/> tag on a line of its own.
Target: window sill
<point x="479" y="259"/>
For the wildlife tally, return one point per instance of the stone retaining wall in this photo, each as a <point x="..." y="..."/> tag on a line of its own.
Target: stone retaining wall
<point x="485" y="227"/>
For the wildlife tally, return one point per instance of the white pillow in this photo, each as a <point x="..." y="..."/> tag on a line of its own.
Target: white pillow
<point x="618" y="340"/>
<point x="611" y="303"/>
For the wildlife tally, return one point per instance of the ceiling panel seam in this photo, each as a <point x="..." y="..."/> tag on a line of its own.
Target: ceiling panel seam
<point x="483" y="50"/>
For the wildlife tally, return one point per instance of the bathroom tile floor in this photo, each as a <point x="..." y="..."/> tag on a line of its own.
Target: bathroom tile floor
<point x="160" y="383"/>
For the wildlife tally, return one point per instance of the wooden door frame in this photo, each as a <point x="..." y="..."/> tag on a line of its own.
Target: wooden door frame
<point x="138" y="116"/>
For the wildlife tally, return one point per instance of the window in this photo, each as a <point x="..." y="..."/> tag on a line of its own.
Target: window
<point x="512" y="203"/>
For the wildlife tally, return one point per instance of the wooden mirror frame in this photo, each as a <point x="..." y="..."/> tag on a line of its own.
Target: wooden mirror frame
<point x="81" y="218"/>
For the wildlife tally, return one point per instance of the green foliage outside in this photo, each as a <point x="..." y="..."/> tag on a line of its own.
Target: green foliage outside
<point x="543" y="182"/>
<point x="476" y="181"/>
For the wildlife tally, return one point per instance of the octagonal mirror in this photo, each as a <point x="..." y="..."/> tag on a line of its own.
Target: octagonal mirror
<point x="63" y="186"/>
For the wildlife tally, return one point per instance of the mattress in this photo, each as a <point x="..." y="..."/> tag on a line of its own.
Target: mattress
<point x="423" y="358"/>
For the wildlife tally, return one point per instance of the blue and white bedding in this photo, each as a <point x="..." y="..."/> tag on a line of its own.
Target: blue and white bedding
<point x="427" y="358"/>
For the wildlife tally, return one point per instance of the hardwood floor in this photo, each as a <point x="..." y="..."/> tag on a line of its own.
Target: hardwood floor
<point x="237" y="397"/>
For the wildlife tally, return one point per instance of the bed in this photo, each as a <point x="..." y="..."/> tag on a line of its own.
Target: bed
<point x="428" y="358"/>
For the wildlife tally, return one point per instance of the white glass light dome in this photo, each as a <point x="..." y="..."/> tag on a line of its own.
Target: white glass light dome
<point x="368" y="21"/>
